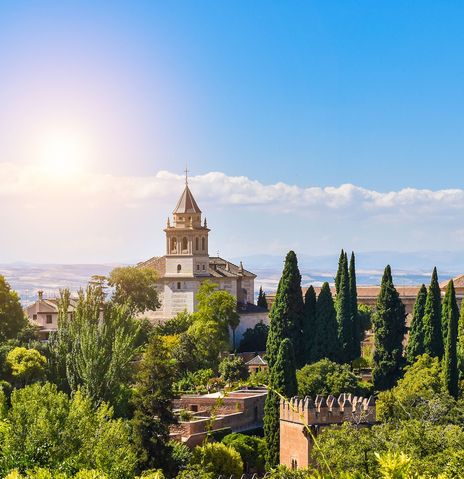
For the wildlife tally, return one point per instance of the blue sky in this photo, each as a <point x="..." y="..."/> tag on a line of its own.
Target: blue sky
<point x="312" y="93"/>
<point x="307" y="93"/>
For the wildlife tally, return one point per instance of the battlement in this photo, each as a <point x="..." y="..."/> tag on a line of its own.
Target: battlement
<point x="328" y="410"/>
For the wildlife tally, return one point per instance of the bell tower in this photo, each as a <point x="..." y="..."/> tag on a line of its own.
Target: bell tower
<point x="186" y="239"/>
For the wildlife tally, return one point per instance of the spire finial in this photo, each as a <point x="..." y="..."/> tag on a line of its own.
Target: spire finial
<point x="186" y="175"/>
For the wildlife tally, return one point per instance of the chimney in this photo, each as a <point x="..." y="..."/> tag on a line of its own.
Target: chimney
<point x="40" y="295"/>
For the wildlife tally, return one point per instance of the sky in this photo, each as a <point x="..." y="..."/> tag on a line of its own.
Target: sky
<point x="311" y="125"/>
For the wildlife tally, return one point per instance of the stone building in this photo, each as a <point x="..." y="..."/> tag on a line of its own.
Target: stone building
<point x="301" y="420"/>
<point x="187" y="263"/>
<point x="218" y="413"/>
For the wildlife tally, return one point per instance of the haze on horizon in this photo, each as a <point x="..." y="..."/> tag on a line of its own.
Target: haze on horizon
<point x="305" y="125"/>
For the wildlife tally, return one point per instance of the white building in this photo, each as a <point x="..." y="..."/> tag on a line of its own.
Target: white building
<point x="187" y="263"/>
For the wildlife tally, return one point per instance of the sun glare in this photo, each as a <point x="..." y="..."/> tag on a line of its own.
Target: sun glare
<point x="62" y="153"/>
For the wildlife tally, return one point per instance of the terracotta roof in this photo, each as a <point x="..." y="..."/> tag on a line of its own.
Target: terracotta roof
<point x="256" y="361"/>
<point x="458" y="282"/>
<point x="221" y="268"/>
<point x="187" y="203"/>
<point x="158" y="263"/>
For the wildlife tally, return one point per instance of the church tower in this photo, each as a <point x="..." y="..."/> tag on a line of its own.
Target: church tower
<point x="186" y="239"/>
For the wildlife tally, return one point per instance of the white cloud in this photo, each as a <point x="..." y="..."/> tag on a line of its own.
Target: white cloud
<point x="109" y="218"/>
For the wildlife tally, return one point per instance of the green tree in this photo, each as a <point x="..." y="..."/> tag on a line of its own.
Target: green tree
<point x="460" y="347"/>
<point x="218" y="308"/>
<point x="357" y="331"/>
<point x="177" y="325"/>
<point x="341" y="266"/>
<point x="217" y="459"/>
<point x="433" y="333"/>
<point x="262" y="301"/>
<point x="153" y="405"/>
<point x="344" y="314"/>
<point x="43" y="428"/>
<point x="12" y="319"/>
<point x="282" y="381"/>
<point x="135" y="288"/>
<point x="94" y="348"/>
<point x="450" y="363"/>
<point x="27" y="365"/>
<point x="232" y="369"/>
<point x="254" y="339"/>
<point x="326" y="377"/>
<point x="415" y="345"/>
<point x="389" y="329"/>
<point x="309" y="324"/>
<point x="286" y="315"/>
<point x="326" y="343"/>
<point x="252" y="450"/>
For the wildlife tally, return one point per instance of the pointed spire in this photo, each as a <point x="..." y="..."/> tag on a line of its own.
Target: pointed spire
<point x="168" y="224"/>
<point x="240" y="269"/>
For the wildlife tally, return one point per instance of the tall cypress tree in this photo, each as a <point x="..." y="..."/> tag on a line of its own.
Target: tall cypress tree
<point x="262" y="300"/>
<point x="345" y="327"/>
<point x="341" y="261"/>
<point x="450" y="363"/>
<point x="389" y="329"/>
<point x="282" y="380"/>
<point x="326" y="342"/>
<point x="286" y="315"/>
<point x="446" y="305"/>
<point x="415" y="345"/>
<point x="355" y="319"/>
<point x="433" y="333"/>
<point x="461" y="341"/>
<point x="309" y="324"/>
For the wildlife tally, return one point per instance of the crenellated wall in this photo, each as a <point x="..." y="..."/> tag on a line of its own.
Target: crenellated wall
<point x="301" y="419"/>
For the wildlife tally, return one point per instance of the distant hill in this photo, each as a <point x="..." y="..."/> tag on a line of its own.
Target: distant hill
<point x="408" y="268"/>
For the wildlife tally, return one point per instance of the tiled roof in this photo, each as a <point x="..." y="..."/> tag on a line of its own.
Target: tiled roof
<point x="221" y="268"/>
<point x="158" y="263"/>
<point x="256" y="361"/>
<point x="458" y="282"/>
<point x="187" y="203"/>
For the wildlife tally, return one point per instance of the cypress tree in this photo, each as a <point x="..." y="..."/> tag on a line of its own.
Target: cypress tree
<point x="389" y="329"/>
<point x="355" y="319"/>
<point x="433" y="334"/>
<point x="326" y="342"/>
<point x="345" y="327"/>
<point x="450" y="363"/>
<point x="262" y="300"/>
<point x="286" y="315"/>
<point x="309" y="324"/>
<point x="282" y="380"/>
<point x="447" y="304"/>
<point x="341" y="261"/>
<point x="415" y="345"/>
<point x="461" y="341"/>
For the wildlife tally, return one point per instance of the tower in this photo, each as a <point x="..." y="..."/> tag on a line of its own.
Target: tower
<point x="186" y="239"/>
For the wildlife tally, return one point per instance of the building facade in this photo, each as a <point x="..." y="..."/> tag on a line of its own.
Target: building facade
<point x="302" y="419"/>
<point x="187" y="264"/>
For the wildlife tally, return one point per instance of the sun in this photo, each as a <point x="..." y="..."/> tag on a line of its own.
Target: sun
<point x="62" y="153"/>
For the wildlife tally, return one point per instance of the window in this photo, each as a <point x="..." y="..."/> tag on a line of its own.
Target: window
<point x="184" y="244"/>
<point x="294" y="464"/>
<point x="203" y="244"/>
<point x="174" y="245"/>
<point x="204" y="268"/>
<point x="197" y="244"/>
<point x="179" y="286"/>
<point x="49" y="319"/>
<point x="179" y="268"/>
<point x="198" y="267"/>
<point x="34" y="317"/>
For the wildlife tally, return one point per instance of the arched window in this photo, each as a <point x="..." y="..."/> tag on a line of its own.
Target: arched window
<point x="174" y="245"/>
<point x="203" y="243"/>
<point x="179" y="285"/>
<point x="184" y="244"/>
<point x="179" y="268"/>
<point x="197" y="244"/>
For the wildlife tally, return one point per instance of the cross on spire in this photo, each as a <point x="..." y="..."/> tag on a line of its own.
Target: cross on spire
<point x="186" y="175"/>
